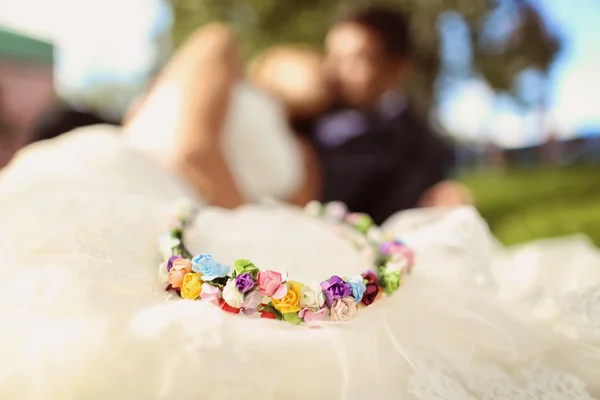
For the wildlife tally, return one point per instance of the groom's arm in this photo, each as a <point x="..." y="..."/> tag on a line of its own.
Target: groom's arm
<point x="428" y="165"/>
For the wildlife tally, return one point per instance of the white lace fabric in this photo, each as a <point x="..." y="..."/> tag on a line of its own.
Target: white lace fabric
<point x="83" y="316"/>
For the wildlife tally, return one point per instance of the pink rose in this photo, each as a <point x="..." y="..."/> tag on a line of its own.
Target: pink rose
<point x="272" y="284"/>
<point x="352" y="218"/>
<point x="314" y="316"/>
<point x="397" y="263"/>
<point x="343" y="309"/>
<point x="211" y="293"/>
<point x="401" y="262"/>
<point x="398" y="249"/>
<point x="174" y="223"/>
<point x="181" y="266"/>
<point x="410" y="256"/>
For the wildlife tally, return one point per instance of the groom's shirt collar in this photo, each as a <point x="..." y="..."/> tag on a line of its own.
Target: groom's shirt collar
<point x="343" y="125"/>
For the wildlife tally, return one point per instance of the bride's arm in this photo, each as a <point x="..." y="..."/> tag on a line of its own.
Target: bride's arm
<point x="209" y="66"/>
<point x="196" y="84"/>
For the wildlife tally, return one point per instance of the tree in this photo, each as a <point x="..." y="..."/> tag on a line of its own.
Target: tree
<point x="265" y="22"/>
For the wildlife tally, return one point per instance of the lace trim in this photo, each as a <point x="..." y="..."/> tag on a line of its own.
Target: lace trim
<point x="440" y="380"/>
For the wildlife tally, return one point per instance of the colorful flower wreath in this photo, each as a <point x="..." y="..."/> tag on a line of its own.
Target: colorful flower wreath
<point x="249" y="290"/>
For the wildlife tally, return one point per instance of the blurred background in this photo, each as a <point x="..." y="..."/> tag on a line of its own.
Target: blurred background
<point x="514" y="82"/>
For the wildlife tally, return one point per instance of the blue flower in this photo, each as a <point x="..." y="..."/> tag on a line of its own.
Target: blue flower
<point x="357" y="284"/>
<point x="210" y="269"/>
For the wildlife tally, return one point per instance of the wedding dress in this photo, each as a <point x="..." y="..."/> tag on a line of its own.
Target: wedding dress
<point x="84" y="316"/>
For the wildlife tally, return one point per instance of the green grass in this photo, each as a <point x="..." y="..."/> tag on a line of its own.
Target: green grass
<point x="522" y="205"/>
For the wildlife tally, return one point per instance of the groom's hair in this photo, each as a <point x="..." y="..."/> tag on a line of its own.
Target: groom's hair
<point x="389" y="24"/>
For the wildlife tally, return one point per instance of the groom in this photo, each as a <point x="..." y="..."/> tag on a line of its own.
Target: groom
<point x="376" y="153"/>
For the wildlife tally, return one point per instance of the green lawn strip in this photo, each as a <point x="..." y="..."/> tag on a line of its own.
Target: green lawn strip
<point x="521" y="205"/>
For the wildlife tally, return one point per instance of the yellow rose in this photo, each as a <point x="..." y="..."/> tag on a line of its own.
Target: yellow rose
<point x="191" y="286"/>
<point x="291" y="302"/>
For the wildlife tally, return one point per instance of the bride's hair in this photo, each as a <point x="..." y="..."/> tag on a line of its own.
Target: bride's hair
<point x="292" y="74"/>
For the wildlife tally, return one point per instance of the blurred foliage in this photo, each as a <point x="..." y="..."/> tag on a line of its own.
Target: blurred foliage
<point x="522" y="205"/>
<point x="262" y="23"/>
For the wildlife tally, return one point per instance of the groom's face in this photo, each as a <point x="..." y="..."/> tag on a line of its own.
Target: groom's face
<point x="357" y="65"/>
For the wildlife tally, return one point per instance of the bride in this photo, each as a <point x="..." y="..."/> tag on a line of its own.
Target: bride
<point x="83" y="312"/>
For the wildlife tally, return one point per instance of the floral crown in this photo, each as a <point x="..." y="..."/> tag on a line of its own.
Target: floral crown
<point x="249" y="290"/>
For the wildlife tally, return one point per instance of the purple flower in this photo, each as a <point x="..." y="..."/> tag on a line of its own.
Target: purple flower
<point x="335" y="288"/>
<point x="244" y="282"/>
<point x="170" y="262"/>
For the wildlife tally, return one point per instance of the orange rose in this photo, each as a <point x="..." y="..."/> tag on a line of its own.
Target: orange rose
<point x="180" y="268"/>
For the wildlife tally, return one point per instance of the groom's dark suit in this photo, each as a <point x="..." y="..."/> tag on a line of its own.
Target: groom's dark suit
<point x="379" y="162"/>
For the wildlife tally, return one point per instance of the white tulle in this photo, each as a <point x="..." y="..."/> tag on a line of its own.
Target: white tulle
<point x="83" y="316"/>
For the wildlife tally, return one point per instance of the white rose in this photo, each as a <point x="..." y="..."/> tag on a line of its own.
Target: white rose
<point x="312" y="297"/>
<point x="166" y="244"/>
<point x="375" y="234"/>
<point x="170" y="296"/>
<point x="185" y="210"/>
<point x="343" y="309"/>
<point x="336" y="210"/>
<point x="232" y="295"/>
<point x="313" y="208"/>
<point x="397" y="263"/>
<point x="163" y="274"/>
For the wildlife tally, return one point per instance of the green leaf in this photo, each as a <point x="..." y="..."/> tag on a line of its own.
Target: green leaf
<point x="245" y="266"/>
<point x="219" y="282"/>
<point x="292" y="318"/>
<point x="364" y="223"/>
<point x="270" y="308"/>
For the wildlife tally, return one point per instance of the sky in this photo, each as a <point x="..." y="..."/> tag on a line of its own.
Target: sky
<point x="472" y="110"/>
<point x="111" y="41"/>
<point x="99" y="42"/>
<point x="576" y="95"/>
